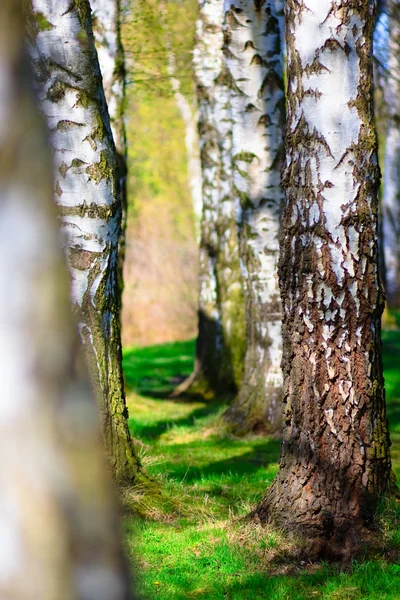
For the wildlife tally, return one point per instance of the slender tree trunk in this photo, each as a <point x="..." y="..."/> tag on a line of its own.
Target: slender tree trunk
<point x="335" y="461"/>
<point x="190" y="119"/>
<point x="106" y="19"/>
<point x="87" y="193"/>
<point x="60" y="536"/>
<point x="207" y="62"/>
<point x="254" y="59"/>
<point x="220" y="347"/>
<point x="391" y="188"/>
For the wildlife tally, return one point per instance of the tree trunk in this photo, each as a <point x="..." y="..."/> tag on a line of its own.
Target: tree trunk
<point x="335" y="461"/>
<point x="106" y="19"/>
<point x="60" y="536"/>
<point x="190" y="119"/>
<point x="255" y="63"/>
<point x="208" y="64"/>
<point x="221" y="323"/>
<point x="391" y="188"/>
<point x="87" y="193"/>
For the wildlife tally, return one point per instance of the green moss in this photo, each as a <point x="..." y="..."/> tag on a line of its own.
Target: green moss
<point x="92" y="211"/>
<point x="237" y="337"/>
<point x="84" y="11"/>
<point x="84" y="99"/>
<point x="41" y="22"/>
<point x="100" y="131"/>
<point x="56" y="91"/>
<point x="247" y="157"/>
<point x="101" y="170"/>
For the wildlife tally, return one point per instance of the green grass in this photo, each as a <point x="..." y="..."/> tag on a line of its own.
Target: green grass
<point x="156" y="370"/>
<point x="196" y="546"/>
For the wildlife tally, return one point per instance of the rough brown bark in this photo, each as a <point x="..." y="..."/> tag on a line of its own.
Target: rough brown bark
<point x="335" y="461"/>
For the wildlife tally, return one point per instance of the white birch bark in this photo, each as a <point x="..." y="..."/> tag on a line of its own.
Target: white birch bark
<point x="254" y="59"/>
<point x="106" y="19"/>
<point x="59" y="530"/>
<point x="221" y="302"/>
<point x="391" y="187"/>
<point x="335" y="460"/>
<point x="207" y="63"/>
<point x="86" y="191"/>
<point x="190" y="119"/>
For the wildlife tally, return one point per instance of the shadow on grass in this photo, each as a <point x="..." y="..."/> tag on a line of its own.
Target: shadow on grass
<point x="151" y="432"/>
<point x="243" y="465"/>
<point x="155" y="371"/>
<point x="362" y="580"/>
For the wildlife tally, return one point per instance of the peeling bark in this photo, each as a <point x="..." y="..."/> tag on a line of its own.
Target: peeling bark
<point x="254" y="58"/>
<point x="87" y="193"/>
<point x="59" y="530"/>
<point x="106" y="20"/>
<point x="335" y="461"/>
<point x="391" y="187"/>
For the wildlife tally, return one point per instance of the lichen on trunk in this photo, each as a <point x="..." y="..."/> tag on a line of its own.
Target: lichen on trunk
<point x="87" y="193"/>
<point x="335" y="462"/>
<point x="230" y="292"/>
<point x="254" y="58"/>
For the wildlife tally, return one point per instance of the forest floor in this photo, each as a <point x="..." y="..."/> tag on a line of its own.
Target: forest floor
<point x="190" y="542"/>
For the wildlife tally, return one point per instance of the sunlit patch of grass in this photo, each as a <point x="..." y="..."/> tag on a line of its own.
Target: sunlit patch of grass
<point x="192" y="541"/>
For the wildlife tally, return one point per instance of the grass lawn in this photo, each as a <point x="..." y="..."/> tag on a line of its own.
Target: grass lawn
<point x="189" y="543"/>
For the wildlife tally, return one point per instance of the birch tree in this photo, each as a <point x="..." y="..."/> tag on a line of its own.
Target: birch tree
<point x="59" y="528"/>
<point x="190" y="119"/>
<point x="221" y="302"/>
<point x="254" y="60"/>
<point x="335" y="462"/>
<point x="391" y="187"/>
<point x="87" y="193"/>
<point x="106" y="19"/>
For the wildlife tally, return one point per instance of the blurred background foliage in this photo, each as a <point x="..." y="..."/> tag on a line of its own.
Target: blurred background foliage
<point x="160" y="297"/>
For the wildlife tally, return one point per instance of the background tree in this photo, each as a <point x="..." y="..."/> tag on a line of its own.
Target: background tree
<point x="254" y="60"/>
<point x="87" y="193"/>
<point x="161" y="280"/>
<point x="208" y="60"/>
<point x="106" y="20"/>
<point x="189" y="117"/>
<point x="391" y="187"/>
<point x="220" y="345"/>
<point x="60" y="535"/>
<point x="335" y="461"/>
